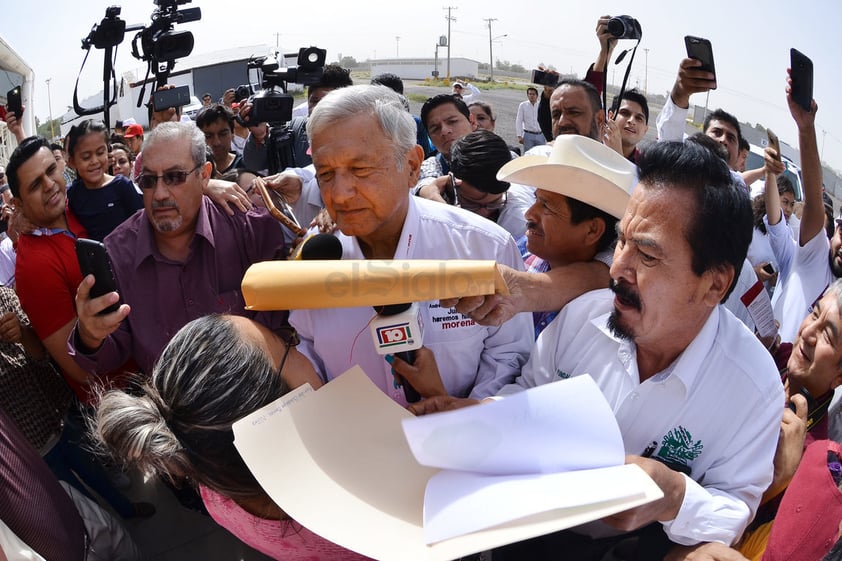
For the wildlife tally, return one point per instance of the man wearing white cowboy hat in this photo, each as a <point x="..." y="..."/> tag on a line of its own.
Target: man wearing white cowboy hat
<point x="699" y="418"/>
<point x="582" y="188"/>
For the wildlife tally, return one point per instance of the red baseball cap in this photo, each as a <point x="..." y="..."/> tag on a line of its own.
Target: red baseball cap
<point x="133" y="131"/>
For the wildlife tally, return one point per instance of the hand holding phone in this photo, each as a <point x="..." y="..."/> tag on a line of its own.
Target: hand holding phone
<point x="449" y="194"/>
<point x="774" y="143"/>
<point x="14" y="102"/>
<point x="701" y="50"/>
<point x="801" y="74"/>
<point x="93" y="260"/>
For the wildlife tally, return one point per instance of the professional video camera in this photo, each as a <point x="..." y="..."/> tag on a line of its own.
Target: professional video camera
<point x="273" y="105"/>
<point x="157" y="44"/>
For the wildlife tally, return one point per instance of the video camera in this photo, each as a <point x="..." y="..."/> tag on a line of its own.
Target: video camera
<point x="157" y="44"/>
<point x="273" y="104"/>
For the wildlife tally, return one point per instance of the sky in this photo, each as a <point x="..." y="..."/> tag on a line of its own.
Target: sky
<point x="751" y="43"/>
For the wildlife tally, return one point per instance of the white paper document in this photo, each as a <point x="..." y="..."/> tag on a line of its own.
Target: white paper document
<point x="337" y="461"/>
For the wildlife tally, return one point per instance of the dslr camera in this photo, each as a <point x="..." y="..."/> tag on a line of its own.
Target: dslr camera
<point x="625" y="27"/>
<point x="274" y="104"/>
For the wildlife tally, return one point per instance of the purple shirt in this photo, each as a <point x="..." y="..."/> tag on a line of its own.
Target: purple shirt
<point x="165" y="295"/>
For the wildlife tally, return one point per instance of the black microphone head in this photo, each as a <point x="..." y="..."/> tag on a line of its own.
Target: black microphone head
<point x="391" y="309"/>
<point x="321" y="246"/>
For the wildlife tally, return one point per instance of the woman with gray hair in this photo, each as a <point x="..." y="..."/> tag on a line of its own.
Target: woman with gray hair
<point x="216" y="370"/>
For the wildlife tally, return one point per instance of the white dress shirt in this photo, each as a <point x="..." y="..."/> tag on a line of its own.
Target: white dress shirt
<point x="716" y="409"/>
<point x="473" y="360"/>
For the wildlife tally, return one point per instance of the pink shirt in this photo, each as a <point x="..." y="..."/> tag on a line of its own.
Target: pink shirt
<point x="280" y="539"/>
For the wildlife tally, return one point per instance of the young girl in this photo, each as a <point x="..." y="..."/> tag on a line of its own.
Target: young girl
<point x="121" y="160"/>
<point x="100" y="201"/>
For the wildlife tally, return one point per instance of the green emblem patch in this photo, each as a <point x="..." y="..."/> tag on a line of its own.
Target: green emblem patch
<point x="678" y="447"/>
<point x="562" y="374"/>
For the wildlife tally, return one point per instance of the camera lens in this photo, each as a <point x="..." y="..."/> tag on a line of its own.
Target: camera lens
<point x="616" y="27"/>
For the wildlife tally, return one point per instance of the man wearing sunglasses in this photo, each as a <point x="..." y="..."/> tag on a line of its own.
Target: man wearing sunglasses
<point x="180" y="258"/>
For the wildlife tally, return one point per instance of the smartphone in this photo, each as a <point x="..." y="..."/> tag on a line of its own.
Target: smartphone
<point x="542" y="78"/>
<point x="801" y="72"/>
<point x="14" y="103"/>
<point x="450" y="190"/>
<point x="173" y="97"/>
<point x="769" y="268"/>
<point x="93" y="260"/>
<point x="701" y="50"/>
<point x="774" y="143"/>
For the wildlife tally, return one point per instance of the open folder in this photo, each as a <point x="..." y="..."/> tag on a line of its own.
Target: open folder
<point x="342" y="462"/>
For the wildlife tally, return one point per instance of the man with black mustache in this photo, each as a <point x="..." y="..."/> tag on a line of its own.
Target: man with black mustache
<point x="696" y="396"/>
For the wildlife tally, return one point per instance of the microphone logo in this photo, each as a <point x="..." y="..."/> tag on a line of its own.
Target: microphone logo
<point x="397" y="334"/>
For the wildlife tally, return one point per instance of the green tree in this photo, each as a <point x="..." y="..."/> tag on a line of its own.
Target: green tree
<point x="348" y="62"/>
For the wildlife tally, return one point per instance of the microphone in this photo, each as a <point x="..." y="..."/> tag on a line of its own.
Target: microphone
<point x="398" y="330"/>
<point x="319" y="246"/>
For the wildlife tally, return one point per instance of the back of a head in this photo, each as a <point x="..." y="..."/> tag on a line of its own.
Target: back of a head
<point x="721" y="230"/>
<point x="477" y="157"/>
<point x="378" y="101"/>
<point x="25" y="150"/>
<point x="172" y="132"/>
<point x="207" y="378"/>
<point x="441" y="99"/>
<point x="333" y="77"/>
<point x="391" y="81"/>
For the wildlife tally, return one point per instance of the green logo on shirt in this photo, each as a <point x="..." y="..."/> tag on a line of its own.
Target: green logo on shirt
<point x="562" y="374"/>
<point x="678" y="446"/>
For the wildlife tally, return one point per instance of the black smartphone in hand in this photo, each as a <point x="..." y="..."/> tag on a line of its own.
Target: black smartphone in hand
<point x="701" y="50"/>
<point x="14" y="102"/>
<point x="801" y="73"/>
<point x="93" y="260"/>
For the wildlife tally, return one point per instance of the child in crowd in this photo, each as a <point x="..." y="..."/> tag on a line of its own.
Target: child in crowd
<point x="100" y="201"/>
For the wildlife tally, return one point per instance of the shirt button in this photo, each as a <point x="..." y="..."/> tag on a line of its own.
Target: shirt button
<point x="798" y="508"/>
<point x="189" y="301"/>
<point x="635" y="395"/>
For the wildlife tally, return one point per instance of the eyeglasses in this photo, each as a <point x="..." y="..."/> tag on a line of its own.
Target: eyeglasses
<point x="475" y="207"/>
<point x="171" y="178"/>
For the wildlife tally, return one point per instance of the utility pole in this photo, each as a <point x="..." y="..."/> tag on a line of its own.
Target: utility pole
<point x="490" y="51"/>
<point x="397" y="46"/>
<point x="646" y="75"/>
<point x="821" y="156"/>
<point x="50" y="104"/>
<point x="449" y="18"/>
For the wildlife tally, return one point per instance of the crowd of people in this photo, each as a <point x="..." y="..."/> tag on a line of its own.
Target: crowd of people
<point x="635" y="265"/>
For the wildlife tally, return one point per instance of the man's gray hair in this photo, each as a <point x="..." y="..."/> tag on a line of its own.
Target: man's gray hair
<point x="378" y="101"/>
<point x="170" y="131"/>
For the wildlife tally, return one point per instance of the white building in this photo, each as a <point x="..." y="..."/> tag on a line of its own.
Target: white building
<point x="421" y="68"/>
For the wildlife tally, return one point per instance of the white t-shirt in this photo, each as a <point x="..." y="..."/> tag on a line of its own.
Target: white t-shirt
<point x="804" y="275"/>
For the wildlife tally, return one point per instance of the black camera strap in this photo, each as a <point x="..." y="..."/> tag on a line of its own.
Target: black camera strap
<point x="618" y="60"/>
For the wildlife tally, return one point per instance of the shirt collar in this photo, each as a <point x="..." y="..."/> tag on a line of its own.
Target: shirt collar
<point x="146" y="234"/>
<point x="408" y="239"/>
<point x="686" y="367"/>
